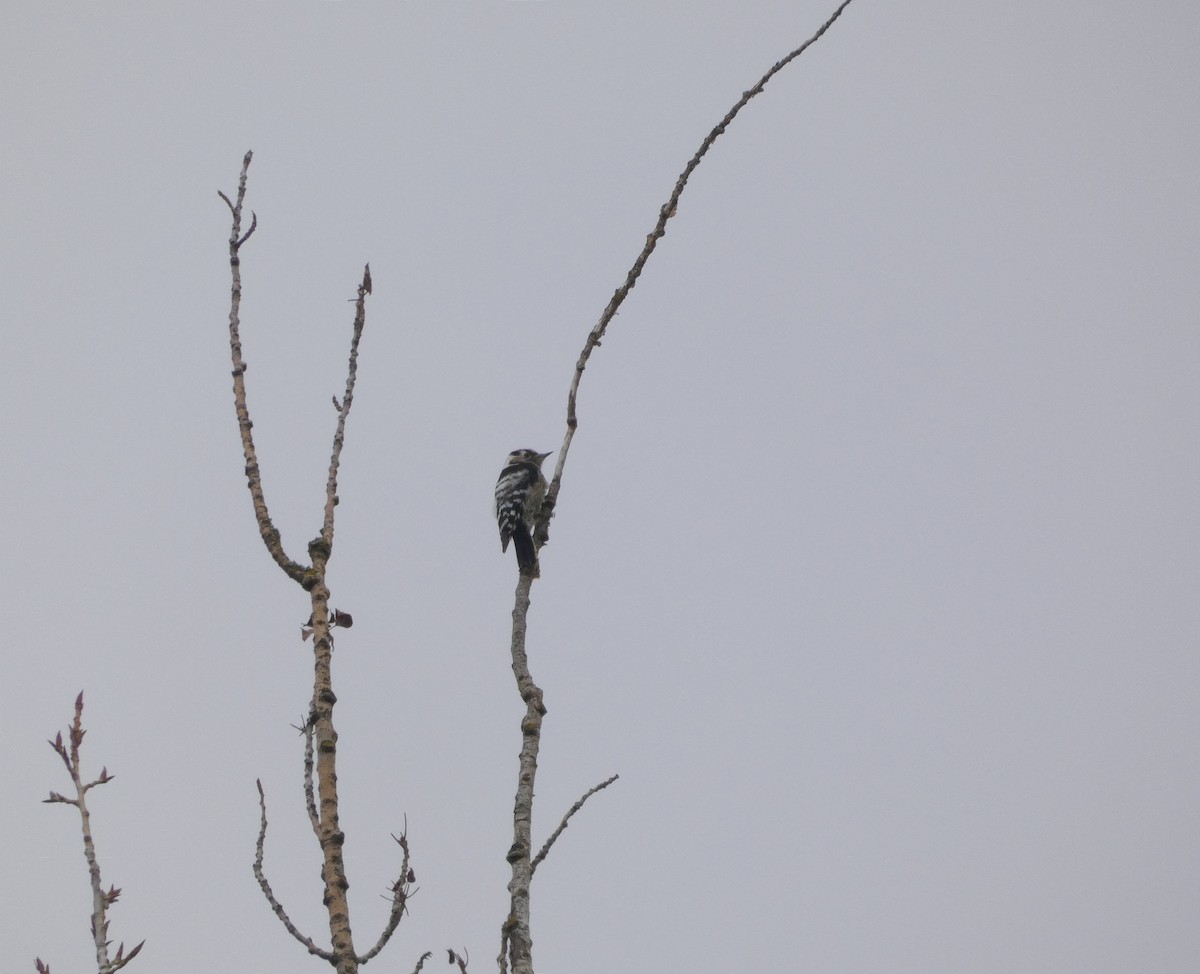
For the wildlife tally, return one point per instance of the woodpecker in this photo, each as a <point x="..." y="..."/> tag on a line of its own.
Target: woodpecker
<point x="519" y="493"/>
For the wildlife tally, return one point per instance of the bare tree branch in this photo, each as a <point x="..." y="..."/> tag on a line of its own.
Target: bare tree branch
<point x="310" y="801"/>
<point x="330" y="834"/>
<point x="360" y="316"/>
<point x="320" y="734"/>
<point x="516" y="937"/>
<point x="517" y="934"/>
<point x="665" y="213"/>
<point x="101" y="899"/>
<point x="566" y="818"/>
<point x="266" y="528"/>
<point x="253" y="226"/>
<point x="261" y="876"/>
<point x="401" y="890"/>
<point x="502" y="958"/>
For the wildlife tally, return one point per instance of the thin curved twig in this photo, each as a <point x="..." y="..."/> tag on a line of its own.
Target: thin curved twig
<point x="401" y="890"/>
<point x="360" y="317"/>
<point x="665" y="213"/>
<point x="261" y="876"/>
<point x="565" y="819"/>
<point x="310" y="801"/>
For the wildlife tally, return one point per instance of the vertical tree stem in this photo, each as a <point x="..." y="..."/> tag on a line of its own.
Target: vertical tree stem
<point x="520" y="941"/>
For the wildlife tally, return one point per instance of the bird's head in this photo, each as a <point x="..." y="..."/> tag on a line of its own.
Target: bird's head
<point x="528" y="456"/>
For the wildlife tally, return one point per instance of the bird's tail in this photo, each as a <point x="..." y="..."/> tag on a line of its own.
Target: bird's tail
<point x="527" y="560"/>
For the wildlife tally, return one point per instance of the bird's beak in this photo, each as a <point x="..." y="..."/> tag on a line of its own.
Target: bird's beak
<point x="542" y="456"/>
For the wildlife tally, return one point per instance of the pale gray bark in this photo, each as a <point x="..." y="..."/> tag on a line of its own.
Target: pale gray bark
<point x="516" y="939"/>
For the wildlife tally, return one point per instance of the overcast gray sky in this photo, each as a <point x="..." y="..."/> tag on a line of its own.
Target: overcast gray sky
<point x="875" y="568"/>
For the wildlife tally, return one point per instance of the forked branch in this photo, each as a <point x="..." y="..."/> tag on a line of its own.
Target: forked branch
<point x="320" y="775"/>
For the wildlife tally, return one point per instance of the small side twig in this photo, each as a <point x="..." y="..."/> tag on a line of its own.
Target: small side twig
<point x="566" y="818"/>
<point x="420" y="961"/>
<point x="246" y="236"/>
<point x="310" y="800"/>
<point x="101" y="899"/>
<point x="401" y="890"/>
<point x="502" y="957"/>
<point x="261" y="876"/>
<point x="459" y="959"/>
<point x="343" y="405"/>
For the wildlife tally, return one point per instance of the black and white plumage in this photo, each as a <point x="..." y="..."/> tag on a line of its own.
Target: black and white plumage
<point x="519" y="494"/>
